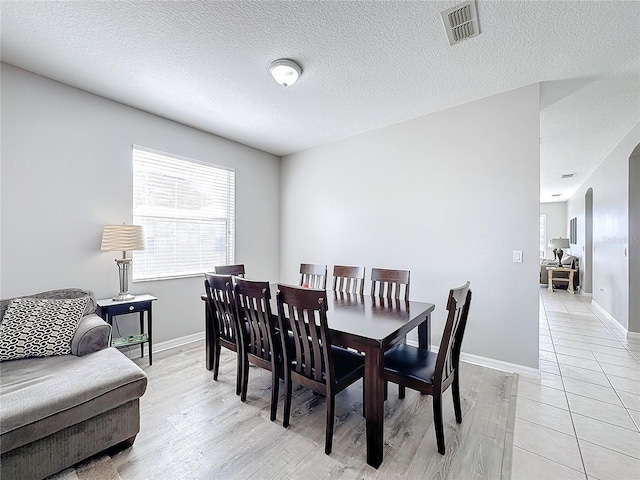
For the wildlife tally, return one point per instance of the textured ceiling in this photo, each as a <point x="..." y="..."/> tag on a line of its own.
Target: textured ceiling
<point x="365" y="65"/>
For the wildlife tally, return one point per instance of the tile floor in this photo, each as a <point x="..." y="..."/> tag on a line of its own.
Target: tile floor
<point x="581" y="419"/>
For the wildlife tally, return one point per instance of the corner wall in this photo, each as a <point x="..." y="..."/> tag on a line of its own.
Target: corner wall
<point x="67" y="171"/>
<point x="610" y="183"/>
<point x="448" y="196"/>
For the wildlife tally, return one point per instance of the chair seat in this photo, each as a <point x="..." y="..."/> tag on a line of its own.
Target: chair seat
<point x="409" y="361"/>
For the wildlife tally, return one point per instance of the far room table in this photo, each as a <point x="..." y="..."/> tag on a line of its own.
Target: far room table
<point x="571" y="271"/>
<point x="371" y="325"/>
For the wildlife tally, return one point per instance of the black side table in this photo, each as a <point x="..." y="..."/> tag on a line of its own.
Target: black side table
<point x="108" y="308"/>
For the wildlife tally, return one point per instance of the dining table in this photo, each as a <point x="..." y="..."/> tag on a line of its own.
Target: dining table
<point x="371" y="325"/>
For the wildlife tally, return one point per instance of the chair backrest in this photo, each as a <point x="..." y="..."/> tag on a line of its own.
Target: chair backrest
<point x="449" y="353"/>
<point x="389" y="283"/>
<point x="313" y="276"/>
<point x="236" y="270"/>
<point x="348" y="279"/>
<point x="219" y="291"/>
<point x="254" y="307"/>
<point x="305" y="311"/>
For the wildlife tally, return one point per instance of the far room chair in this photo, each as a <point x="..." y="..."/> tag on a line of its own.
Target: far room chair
<point x="312" y="361"/>
<point x="348" y="279"/>
<point x="387" y="283"/>
<point x="313" y="276"/>
<point x="222" y="315"/>
<point x="431" y="373"/>
<point x="235" y="270"/>
<point x="262" y="345"/>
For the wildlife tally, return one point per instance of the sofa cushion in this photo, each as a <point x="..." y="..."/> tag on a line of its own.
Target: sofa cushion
<point x="41" y="396"/>
<point x="39" y="327"/>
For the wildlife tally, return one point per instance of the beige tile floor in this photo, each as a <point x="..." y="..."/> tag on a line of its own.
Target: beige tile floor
<point x="581" y="419"/>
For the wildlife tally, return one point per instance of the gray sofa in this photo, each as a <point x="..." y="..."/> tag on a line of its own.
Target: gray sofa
<point x="57" y="411"/>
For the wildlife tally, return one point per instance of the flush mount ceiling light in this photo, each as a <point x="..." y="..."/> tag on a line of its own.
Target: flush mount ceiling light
<point x="285" y="71"/>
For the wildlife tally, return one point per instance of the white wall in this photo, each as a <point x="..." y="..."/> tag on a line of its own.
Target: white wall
<point x="67" y="171"/>
<point x="557" y="223"/>
<point x="448" y="196"/>
<point x="610" y="183"/>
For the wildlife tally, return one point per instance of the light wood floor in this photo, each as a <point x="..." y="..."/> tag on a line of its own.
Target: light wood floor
<point x="195" y="428"/>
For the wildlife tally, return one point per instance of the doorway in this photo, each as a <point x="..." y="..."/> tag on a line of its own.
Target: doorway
<point x="634" y="240"/>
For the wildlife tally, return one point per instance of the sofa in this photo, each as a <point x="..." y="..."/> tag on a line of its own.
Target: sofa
<point x="568" y="261"/>
<point x="62" y="409"/>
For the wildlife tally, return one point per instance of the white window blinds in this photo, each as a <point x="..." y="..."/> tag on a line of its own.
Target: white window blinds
<point x="543" y="235"/>
<point x="187" y="211"/>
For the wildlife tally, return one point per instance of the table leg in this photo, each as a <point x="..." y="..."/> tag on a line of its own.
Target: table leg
<point x="570" y="287"/>
<point x="424" y="333"/>
<point x="550" y="280"/>
<point x="142" y="332"/>
<point x="149" y="323"/>
<point x="374" y="401"/>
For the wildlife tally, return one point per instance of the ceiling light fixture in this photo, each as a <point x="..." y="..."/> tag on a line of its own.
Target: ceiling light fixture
<point x="285" y="71"/>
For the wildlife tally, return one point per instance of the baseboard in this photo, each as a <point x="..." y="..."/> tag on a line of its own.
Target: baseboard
<point x="633" y="335"/>
<point x="491" y="363"/>
<point x="168" y="344"/>
<point x="608" y="316"/>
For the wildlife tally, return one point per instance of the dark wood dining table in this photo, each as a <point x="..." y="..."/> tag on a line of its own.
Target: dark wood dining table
<point x="371" y="325"/>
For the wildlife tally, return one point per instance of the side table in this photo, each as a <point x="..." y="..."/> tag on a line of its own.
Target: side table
<point x="109" y="308"/>
<point x="569" y="280"/>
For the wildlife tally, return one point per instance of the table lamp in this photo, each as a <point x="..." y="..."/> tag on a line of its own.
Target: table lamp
<point x="123" y="238"/>
<point x="558" y="244"/>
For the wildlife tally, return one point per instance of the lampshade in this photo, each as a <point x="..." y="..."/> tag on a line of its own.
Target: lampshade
<point x="285" y="72"/>
<point x="122" y="238"/>
<point x="559" y="243"/>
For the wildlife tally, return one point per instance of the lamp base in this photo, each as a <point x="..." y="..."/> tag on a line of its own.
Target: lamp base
<point x="123" y="297"/>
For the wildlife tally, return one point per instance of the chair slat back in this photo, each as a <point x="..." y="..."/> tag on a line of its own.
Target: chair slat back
<point x="254" y="307"/>
<point x="236" y="270"/>
<point x="389" y="283"/>
<point x="220" y="302"/>
<point x="449" y="353"/>
<point x="313" y="276"/>
<point x="348" y="279"/>
<point x="305" y="312"/>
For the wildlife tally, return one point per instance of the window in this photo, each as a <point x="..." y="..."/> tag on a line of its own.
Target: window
<point x="187" y="211"/>
<point x="543" y="235"/>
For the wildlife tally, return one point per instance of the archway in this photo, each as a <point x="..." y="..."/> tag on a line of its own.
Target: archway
<point x="634" y="240"/>
<point x="587" y="278"/>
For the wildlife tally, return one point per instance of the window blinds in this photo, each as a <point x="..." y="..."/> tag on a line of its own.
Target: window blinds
<point x="187" y="211"/>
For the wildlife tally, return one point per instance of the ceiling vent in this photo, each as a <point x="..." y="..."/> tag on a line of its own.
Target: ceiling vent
<point x="567" y="175"/>
<point x="461" y="22"/>
<point x="556" y="194"/>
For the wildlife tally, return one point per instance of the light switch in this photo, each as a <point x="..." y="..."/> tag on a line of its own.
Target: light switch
<point x="517" y="256"/>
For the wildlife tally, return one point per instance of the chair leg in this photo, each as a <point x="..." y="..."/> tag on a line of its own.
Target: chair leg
<point x="455" y="391"/>
<point x="402" y="390"/>
<point x="275" y="388"/>
<point x="437" y="422"/>
<point x="287" y="399"/>
<point x="216" y="361"/>
<point x="364" y="397"/>
<point x="239" y="374"/>
<point x="331" y="406"/>
<point x="386" y="390"/>
<point x="245" y="378"/>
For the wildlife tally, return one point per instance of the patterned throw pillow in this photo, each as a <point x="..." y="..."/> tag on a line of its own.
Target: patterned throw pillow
<point x="34" y="327"/>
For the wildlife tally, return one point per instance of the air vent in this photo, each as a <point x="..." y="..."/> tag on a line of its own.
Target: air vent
<point x="556" y="194"/>
<point x="567" y="175"/>
<point x="461" y="22"/>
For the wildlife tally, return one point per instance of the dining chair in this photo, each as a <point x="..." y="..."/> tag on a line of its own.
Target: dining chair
<point x="221" y="305"/>
<point x="262" y="346"/>
<point x="313" y="276"/>
<point x="348" y="279"/>
<point x="235" y="270"/>
<point x="388" y="283"/>
<point x="431" y="373"/>
<point x="311" y="360"/>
